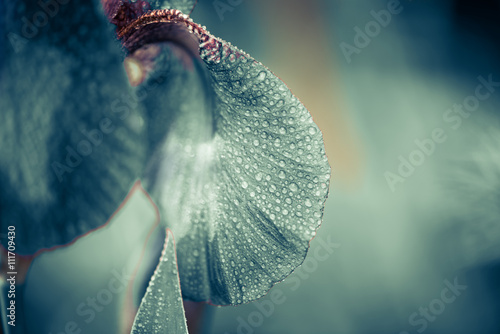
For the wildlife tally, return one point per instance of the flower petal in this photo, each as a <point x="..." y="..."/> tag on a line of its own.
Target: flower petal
<point x="270" y="184"/>
<point x="241" y="177"/>
<point x="71" y="150"/>
<point x="161" y="309"/>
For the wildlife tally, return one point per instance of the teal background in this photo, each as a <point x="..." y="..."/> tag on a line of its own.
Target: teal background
<point x="381" y="254"/>
<point x="397" y="248"/>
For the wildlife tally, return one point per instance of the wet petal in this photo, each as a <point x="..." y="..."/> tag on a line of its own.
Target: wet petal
<point x="270" y="183"/>
<point x="161" y="309"/>
<point x="241" y="177"/>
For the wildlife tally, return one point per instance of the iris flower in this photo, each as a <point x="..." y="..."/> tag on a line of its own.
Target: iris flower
<point x="231" y="157"/>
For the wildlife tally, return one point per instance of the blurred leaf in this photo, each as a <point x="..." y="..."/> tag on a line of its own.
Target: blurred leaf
<point x="161" y="309"/>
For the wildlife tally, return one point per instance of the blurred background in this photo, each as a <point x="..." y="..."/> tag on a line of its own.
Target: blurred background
<point x="400" y="242"/>
<point x="407" y="94"/>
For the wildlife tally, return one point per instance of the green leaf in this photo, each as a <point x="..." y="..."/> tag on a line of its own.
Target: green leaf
<point x="162" y="310"/>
